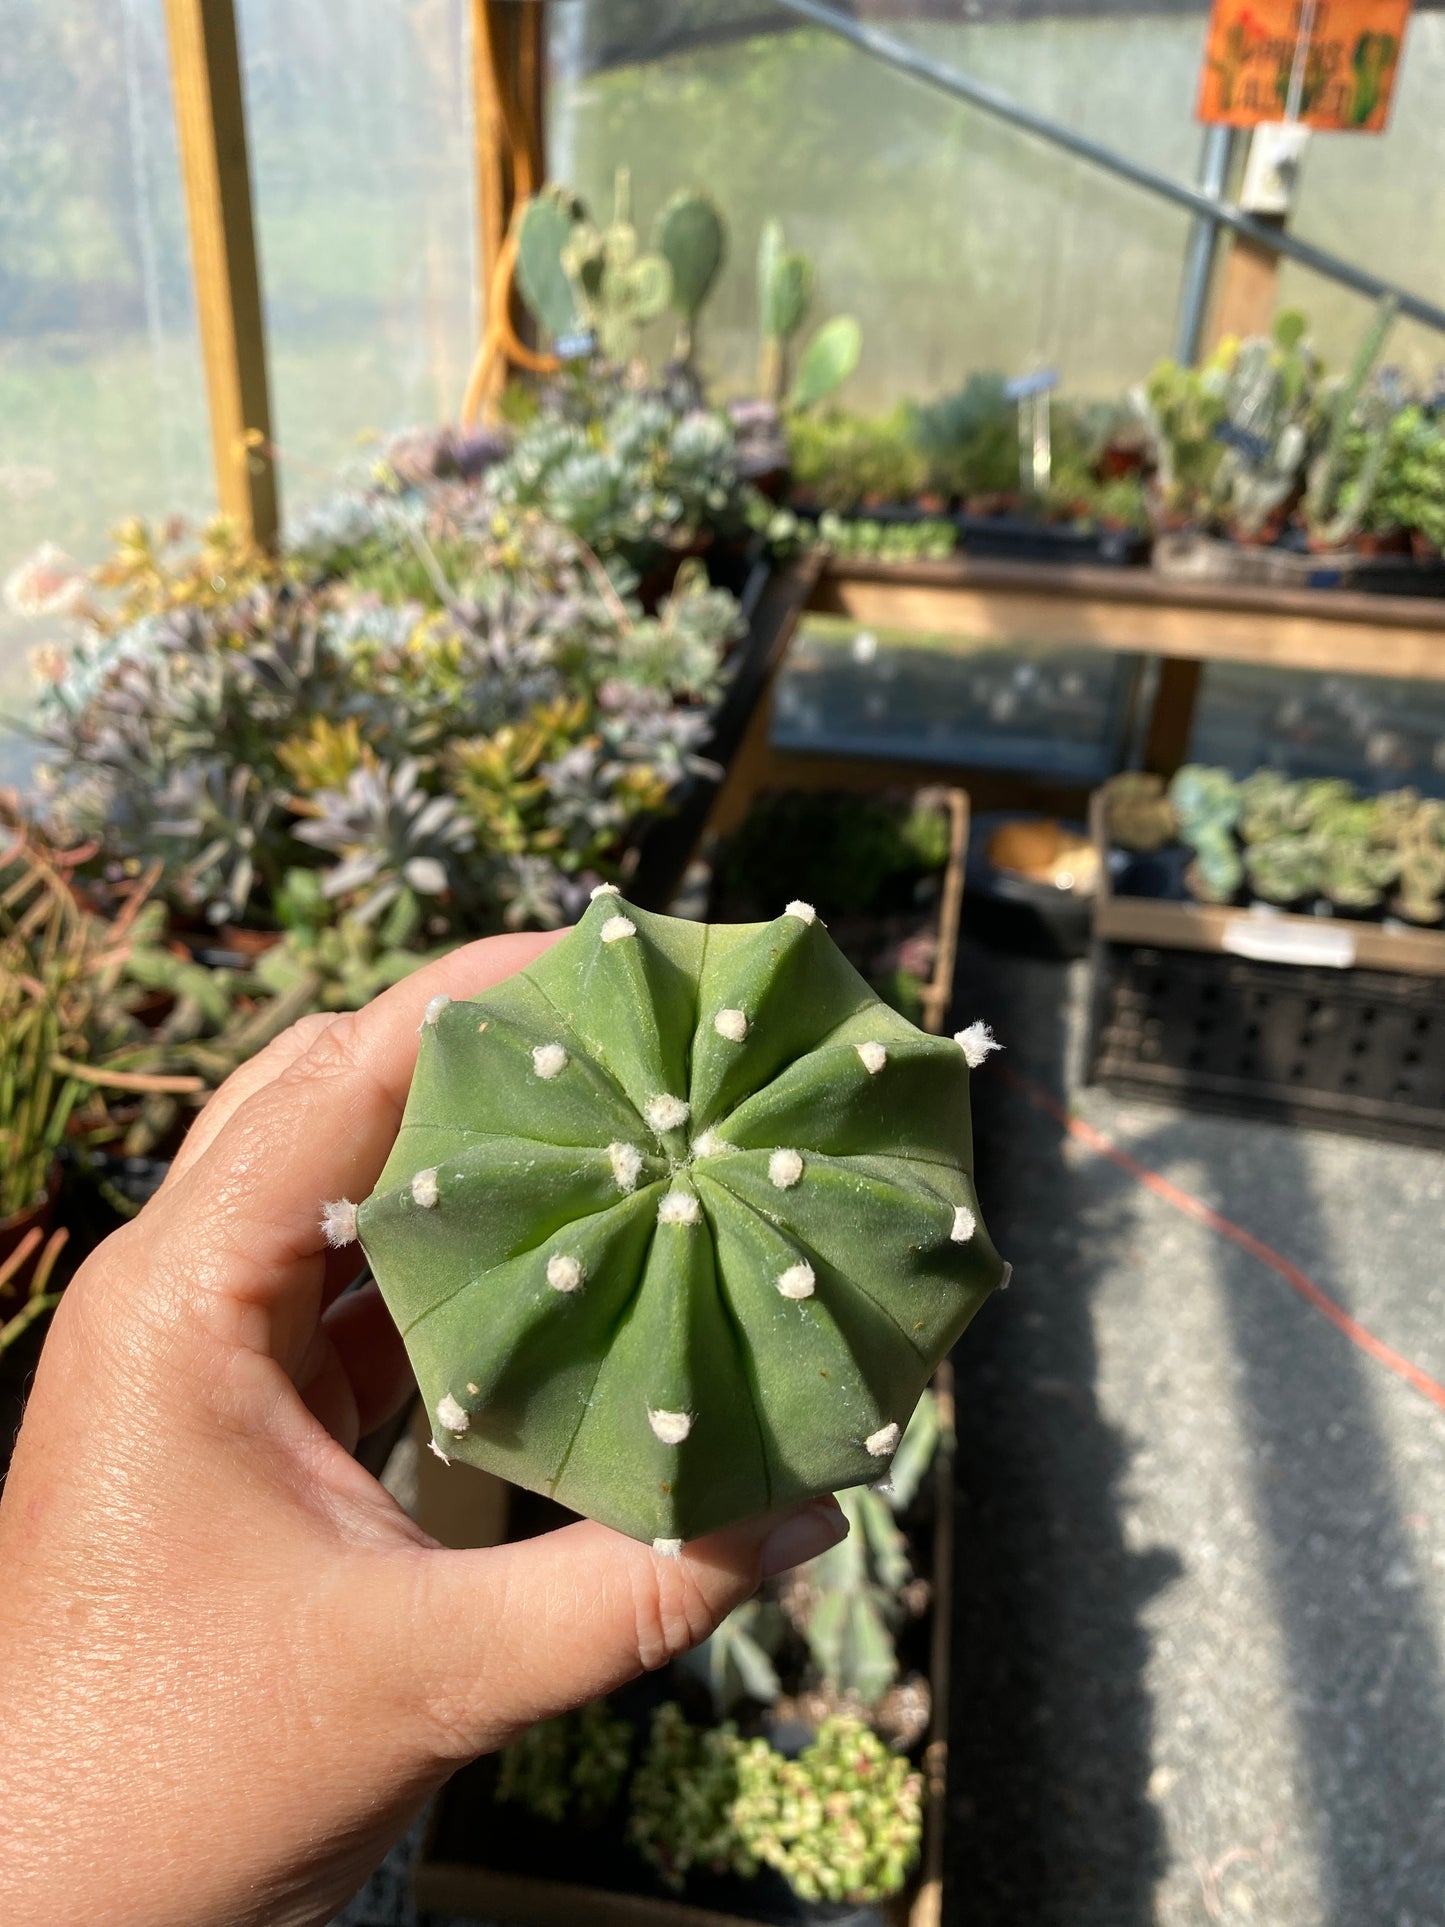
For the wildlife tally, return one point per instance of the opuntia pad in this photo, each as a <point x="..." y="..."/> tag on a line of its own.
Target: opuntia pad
<point x="679" y="1221"/>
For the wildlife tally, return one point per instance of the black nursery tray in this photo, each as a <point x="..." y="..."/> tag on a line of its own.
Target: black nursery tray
<point x="1020" y="538"/>
<point x="1329" y="1021"/>
<point x="1016" y="538"/>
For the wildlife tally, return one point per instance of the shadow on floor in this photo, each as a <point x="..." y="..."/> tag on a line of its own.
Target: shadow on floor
<point x="1049" y="1761"/>
<point x="1053" y="1747"/>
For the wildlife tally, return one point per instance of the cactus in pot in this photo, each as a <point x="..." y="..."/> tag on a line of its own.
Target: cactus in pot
<point x="679" y="1220"/>
<point x="1287" y="869"/>
<point x="1336" y="505"/>
<point x="1421" y="850"/>
<point x="1207" y="804"/>
<point x="1269" y="405"/>
<point x="1138" y="814"/>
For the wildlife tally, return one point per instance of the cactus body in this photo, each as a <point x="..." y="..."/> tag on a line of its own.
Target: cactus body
<point x="546" y="229"/>
<point x="691" y="238"/>
<point x="829" y="359"/>
<point x="679" y="1221"/>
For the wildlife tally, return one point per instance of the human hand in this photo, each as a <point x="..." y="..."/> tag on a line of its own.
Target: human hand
<point x="231" y="1668"/>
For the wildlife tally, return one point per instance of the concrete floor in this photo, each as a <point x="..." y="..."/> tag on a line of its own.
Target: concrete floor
<point x="1200" y="1621"/>
<point x="1200" y="1638"/>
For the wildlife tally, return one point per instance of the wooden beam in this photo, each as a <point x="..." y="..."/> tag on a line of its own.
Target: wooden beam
<point x="1171" y="722"/>
<point x="1136" y="611"/>
<point x="211" y="128"/>
<point x="1248" y="287"/>
<point x="508" y="62"/>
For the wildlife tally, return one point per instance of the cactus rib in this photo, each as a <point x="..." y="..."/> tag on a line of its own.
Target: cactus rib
<point x="670" y="1269"/>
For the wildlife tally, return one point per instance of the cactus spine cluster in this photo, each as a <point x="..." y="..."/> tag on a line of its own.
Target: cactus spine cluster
<point x="679" y="1220"/>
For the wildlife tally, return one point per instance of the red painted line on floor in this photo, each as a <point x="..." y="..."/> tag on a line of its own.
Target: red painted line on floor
<point x="1192" y="1207"/>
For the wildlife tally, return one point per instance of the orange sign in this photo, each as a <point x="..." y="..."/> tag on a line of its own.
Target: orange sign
<point x="1331" y="64"/>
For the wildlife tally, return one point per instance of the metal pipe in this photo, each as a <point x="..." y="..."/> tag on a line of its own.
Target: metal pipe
<point x="1203" y="240"/>
<point x="897" y="53"/>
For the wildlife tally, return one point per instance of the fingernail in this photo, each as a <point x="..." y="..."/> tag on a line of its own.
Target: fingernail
<point x="801" y="1537"/>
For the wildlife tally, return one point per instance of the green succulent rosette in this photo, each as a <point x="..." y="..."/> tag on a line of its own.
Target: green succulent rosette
<point x="679" y="1220"/>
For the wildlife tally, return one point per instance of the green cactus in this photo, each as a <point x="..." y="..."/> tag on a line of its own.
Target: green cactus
<point x="618" y="288"/>
<point x="691" y="237"/>
<point x="736" y="1662"/>
<point x="1206" y="803"/>
<point x="1268" y="807"/>
<point x="548" y="224"/>
<point x="842" y="1822"/>
<point x="828" y="360"/>
<point x="1287" y="869"/>
<point x="1265" y="432"/>
<point x="849" y="1602"/>
<point x="575" y="1763"/>
<point x="1138" y="813"/>
<point x="785" y="288"/>
<point x="1421" y="852"/>
<point x="682" y="1799"/>
<point x="679" y="1220"/>
<point x="1336" y="505"/>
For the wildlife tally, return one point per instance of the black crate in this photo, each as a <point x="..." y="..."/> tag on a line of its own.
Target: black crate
<point x="1346" y="1050"/>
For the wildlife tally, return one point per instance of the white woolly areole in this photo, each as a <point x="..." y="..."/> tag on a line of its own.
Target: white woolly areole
<point x="797" y="1281"/>
<point x="679" y="1207"/>
<point x="424" y="1189"/>
<point x="671" y="1427"/>
<point x="976" y="1042"/>
<point x="549" y="1060"/>
<point x="564" y="1273"/>
<point x="616" y="928"/>
<point x="1007" y="1278"/>
<point x="338" y="1223"/>
<point x="626" y="1162"/>
<point x="667" y="1548"/>
<point x="709" y="1145"/>
<point x="804" y="912"/>
<point x="784" y="1169"/>
<point x="732" y="1024"/>
<point x="883" y="1442"/>
<point x="435" y="1008"/>
<point x="667" y="1113"/>
<point x="964" y="1224"/>
<point x="451" y="1416"/>
<point x="603" y="890"/>
<point x="874" y="1058"/>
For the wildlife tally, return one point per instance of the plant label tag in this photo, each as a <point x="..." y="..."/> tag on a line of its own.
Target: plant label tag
<point x="1037" y="383"/>
<point x="1290" y="940"/>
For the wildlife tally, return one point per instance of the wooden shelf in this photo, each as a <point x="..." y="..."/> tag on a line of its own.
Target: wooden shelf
<point x="1225" y="929"/>
<point x="1138" y="612"/>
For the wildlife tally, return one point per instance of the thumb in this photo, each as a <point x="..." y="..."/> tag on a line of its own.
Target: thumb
<point x="517" y="1633"/>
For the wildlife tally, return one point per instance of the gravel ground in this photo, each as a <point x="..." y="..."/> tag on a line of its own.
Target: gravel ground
<point x="1201" y="1616"/>
<point x="1200" y="1612"/>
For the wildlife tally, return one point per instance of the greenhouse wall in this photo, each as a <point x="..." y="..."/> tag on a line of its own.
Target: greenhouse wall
<point x="956" y="241"/>
<point x="360" y="147"/>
